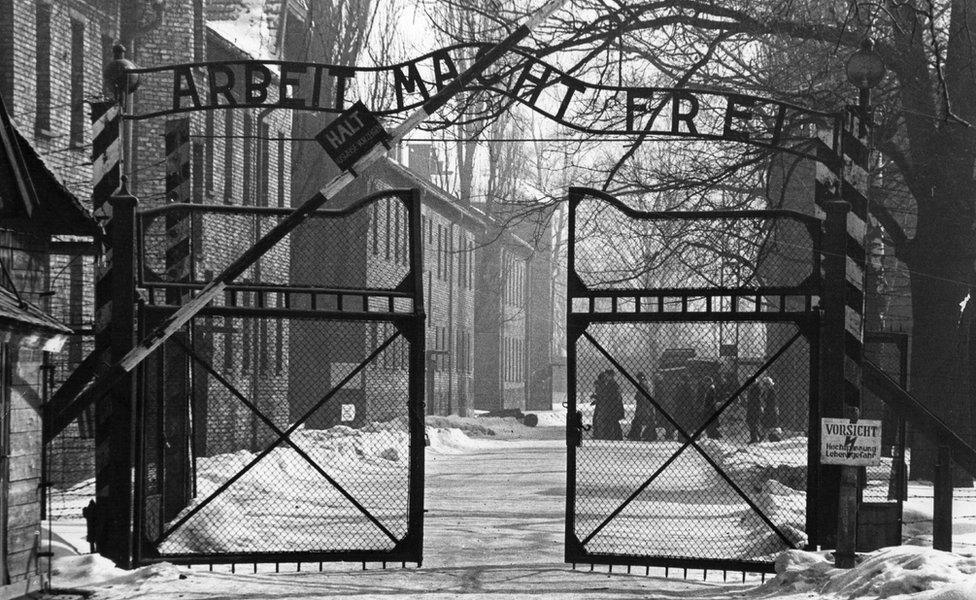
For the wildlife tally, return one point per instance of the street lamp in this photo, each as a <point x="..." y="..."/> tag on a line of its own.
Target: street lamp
<point x="118" y="82"/>
<point x="865" y="70"/>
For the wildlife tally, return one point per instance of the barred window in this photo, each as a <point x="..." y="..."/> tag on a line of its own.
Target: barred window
<point x="42" y="69"/>
<point x="77" y="123"/>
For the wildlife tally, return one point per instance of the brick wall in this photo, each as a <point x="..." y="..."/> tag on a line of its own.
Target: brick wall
<point x="66" y="150"/>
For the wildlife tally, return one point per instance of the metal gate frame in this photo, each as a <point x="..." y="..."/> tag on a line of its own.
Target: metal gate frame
<point x="808" y="323"/>
<point x="350" y="304"/>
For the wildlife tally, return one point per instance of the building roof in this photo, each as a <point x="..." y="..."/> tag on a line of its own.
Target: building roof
<point x="29" y="324"/>
<point x="445" y="202"/>
<point x="441" y="199"/>
<point x="30" y="192"/>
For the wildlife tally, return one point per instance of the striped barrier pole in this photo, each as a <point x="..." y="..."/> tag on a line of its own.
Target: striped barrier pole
<point x="216" y="287"/>
<point x="841" y="196"/>
<point x="106" y="169"/>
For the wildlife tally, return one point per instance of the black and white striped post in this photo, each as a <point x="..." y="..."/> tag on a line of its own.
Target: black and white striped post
<point x="842" y="199"/>
<point x="106" y="159"/>
<point x="114" y="318"/>
<point x="216" y="287"/>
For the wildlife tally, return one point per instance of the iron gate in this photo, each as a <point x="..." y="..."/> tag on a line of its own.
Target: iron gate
<point x="285" y="423"/>
<point x="690" y="401"/>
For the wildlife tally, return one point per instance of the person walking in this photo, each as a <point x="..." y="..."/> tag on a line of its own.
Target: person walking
<point x="609" y="408"/>
<point x="709" y="396"/>
<point x="642" y="426"/>
<point x="684" y="405"/>
<point x="754" y="412"/>
<point x="770" y="410"/>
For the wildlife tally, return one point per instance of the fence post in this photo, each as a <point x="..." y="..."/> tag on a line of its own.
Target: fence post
<point x="942" y="508"/>
<point x="838" y="484"/>
<point x="116" y="424"/>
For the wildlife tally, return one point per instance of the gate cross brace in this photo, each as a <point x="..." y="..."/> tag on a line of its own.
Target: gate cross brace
<point x="277" y="431"/>
<point x="691" y="440"/>
<point x="285" y="436"/>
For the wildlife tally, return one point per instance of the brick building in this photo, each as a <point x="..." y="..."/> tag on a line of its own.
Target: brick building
<point x="238" y="157"/>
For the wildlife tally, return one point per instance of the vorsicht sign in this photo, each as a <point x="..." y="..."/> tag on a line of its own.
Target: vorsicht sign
<point x="351" y="136"/>
<point x="843" y="442"/>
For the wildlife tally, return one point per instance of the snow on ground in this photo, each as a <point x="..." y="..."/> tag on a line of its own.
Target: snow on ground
<point x="901" y="572"/>
<point x="494" y="529"/>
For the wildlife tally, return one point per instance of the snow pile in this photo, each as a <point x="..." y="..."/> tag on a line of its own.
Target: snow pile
<point x="773" y="475"/>
<point x="87" y="570"/>
<point x="786" y="508"/>
<point x="753" y="465"/>
<point x="283" y="502"/>
<point x="899" y="572"/>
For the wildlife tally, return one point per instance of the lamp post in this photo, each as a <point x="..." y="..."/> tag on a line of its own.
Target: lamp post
<point x="119" y="83"/>
<point x="865" y="70"/>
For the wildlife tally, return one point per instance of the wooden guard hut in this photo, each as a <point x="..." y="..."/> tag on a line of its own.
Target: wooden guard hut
<point x="34" y="206"/>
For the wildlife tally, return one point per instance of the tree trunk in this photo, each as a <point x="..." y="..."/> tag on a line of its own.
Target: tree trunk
<point x="940" y="273"/>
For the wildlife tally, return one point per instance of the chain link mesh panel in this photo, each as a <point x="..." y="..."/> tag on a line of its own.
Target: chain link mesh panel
<point x="279" y="458"/>
<point x="738" y="491"/>
<point x="69" y="465"/>
<point x="373" y="242"/>
<point x="614" y="250"/>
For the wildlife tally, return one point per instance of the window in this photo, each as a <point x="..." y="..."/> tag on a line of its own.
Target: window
<point x="208" y="153"/>
<point x="462" y="260"/>
<point x="199" y="51"/>
<point x="228" y="156"/>
<point x="471" y="271"/>
<point x="440" y="251"/>
<point x="396" y="232"/>
<point x="386" y="220"/>
<point x="197" y="175"/>
<point x="247" y="342"/>
<point x="228" y="332"/>
<point x="375" y="228"/>
<point x="264" y="165"/>
<point x="280" y="339"/>
<point x="107" y="43"/>
<point x="77" y="123"/>
<point x="264" y="360"/>
<point x="448" y="252"/>
<point x="282" y="165"/>
<point x="42" y="70"/>
<point x="430" y="308"/>
<point x="247" y="194"/>
<point x="7" y="52"/>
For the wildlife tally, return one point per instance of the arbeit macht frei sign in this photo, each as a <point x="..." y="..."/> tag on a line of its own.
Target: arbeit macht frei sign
<point x="682" y="112"/>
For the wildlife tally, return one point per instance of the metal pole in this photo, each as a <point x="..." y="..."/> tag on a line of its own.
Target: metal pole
<point x="115" y="409"/>
<point x="942" y="503"/>
<point x="176" y="321"/>
<point x="842" y="483"/>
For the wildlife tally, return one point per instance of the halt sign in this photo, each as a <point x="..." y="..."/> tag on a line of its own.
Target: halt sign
<point x="852" y="443"/>
<point x="353" y="134"/>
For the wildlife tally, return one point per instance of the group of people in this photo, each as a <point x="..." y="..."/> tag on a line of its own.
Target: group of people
<point x="761" y="416"/>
